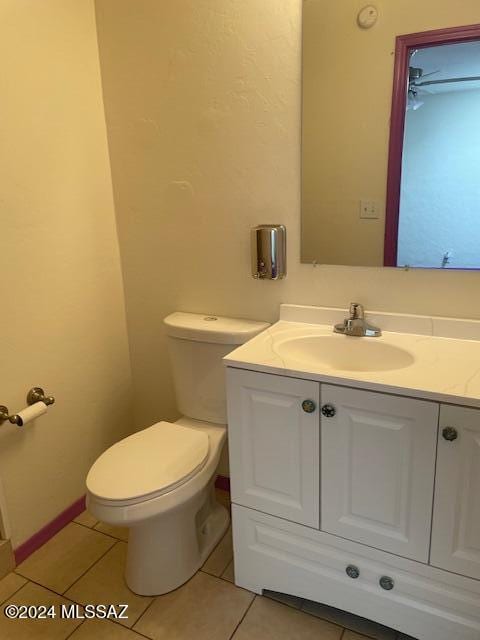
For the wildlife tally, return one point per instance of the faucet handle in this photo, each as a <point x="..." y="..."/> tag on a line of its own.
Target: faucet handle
<point x="356" y="311"/>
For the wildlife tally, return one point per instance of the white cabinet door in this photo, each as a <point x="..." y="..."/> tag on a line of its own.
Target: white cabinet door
<point x="274" y="444"/>
<point x="378" y="466"/>
<point x="456" y="513"/>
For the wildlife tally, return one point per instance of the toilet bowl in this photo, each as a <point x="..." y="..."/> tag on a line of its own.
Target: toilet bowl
<point x="160" y="482"/>
<point x="174" y="519"/>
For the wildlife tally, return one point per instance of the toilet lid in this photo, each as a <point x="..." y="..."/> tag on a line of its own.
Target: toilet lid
<point x="152" y="461"/>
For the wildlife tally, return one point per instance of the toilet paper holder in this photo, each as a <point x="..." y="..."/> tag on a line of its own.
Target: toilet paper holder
<point x="36" y="394"/>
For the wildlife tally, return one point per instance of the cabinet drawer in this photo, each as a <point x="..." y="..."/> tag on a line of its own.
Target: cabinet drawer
<point x="274" y="444"/>
<point x="424" y="602"/>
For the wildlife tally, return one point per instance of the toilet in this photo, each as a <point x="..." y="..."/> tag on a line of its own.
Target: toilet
<point x="160" y="482"/>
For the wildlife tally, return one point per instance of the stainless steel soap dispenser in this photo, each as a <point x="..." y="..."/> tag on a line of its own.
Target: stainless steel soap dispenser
<point x="269" y="251"/>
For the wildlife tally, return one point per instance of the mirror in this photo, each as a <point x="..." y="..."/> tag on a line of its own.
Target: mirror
<point x="430" y="214"/>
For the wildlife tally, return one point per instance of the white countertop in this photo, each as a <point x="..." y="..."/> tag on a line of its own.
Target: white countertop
<point x="446" y="352"/>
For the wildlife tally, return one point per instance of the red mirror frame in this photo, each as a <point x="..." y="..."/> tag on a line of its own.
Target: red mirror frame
<point x="403" y="46"/>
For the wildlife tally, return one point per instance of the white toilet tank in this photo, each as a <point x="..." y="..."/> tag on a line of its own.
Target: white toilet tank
<point x="197" y="344"/>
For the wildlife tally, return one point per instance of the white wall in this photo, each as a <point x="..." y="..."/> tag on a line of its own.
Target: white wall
<point x="203" y="113"/>
<point x="440" y="193"/>
<point x="62" y="324"/>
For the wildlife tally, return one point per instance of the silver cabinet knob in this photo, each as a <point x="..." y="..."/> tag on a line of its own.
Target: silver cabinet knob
<point x="450" y="434"/>
<point x="386" y="583"/>
<point x="352" y="571"/>
<point x="328" y="410"/>
<point x="309" y="406"/>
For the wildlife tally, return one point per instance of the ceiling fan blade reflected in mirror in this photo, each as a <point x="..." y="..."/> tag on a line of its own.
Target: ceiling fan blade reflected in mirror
<point x="432" y="73"/>
<point x="425" y="91"/>
<point x="447" y="81"/>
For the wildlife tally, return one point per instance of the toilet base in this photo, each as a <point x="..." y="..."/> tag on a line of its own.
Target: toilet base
<point x="165" y="552"/>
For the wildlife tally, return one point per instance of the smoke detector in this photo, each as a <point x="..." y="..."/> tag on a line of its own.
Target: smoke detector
<point x="367" y="17"/>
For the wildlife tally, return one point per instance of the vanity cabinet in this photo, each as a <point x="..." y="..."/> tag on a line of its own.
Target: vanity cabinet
<point x="378" y="468"/>
<point x="364" y="501"/>
<point x="456" y="515"/>
<point x="274" y="444"/>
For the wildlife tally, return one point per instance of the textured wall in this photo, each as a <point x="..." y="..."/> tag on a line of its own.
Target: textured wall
<point x="62" y="323"/>
<point x="440" y="186"/>
<point x="202" y="102"/>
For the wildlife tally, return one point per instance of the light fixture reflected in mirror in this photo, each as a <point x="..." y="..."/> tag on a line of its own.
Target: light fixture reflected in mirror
<point x="413" y="102"/>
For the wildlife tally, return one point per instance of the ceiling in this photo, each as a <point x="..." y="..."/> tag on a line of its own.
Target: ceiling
<point x="451" y="61"/>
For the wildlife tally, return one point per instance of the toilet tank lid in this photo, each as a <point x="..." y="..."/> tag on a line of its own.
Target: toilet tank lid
<point x="204" y="328"/>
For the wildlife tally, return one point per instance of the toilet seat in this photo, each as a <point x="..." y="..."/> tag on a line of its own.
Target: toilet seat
<point x="148" y="463"/>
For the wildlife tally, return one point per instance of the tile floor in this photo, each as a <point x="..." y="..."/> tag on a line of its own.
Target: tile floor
<point x="83" y="564"/>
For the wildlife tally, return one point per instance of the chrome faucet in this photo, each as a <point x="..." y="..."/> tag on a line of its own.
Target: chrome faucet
<point x="356" y="325"/>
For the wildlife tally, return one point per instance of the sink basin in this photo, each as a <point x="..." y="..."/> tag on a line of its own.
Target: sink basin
<point x="345" y="353"/>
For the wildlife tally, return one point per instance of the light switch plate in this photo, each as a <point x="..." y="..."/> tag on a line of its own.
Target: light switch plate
<point x="369" y="209"/>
